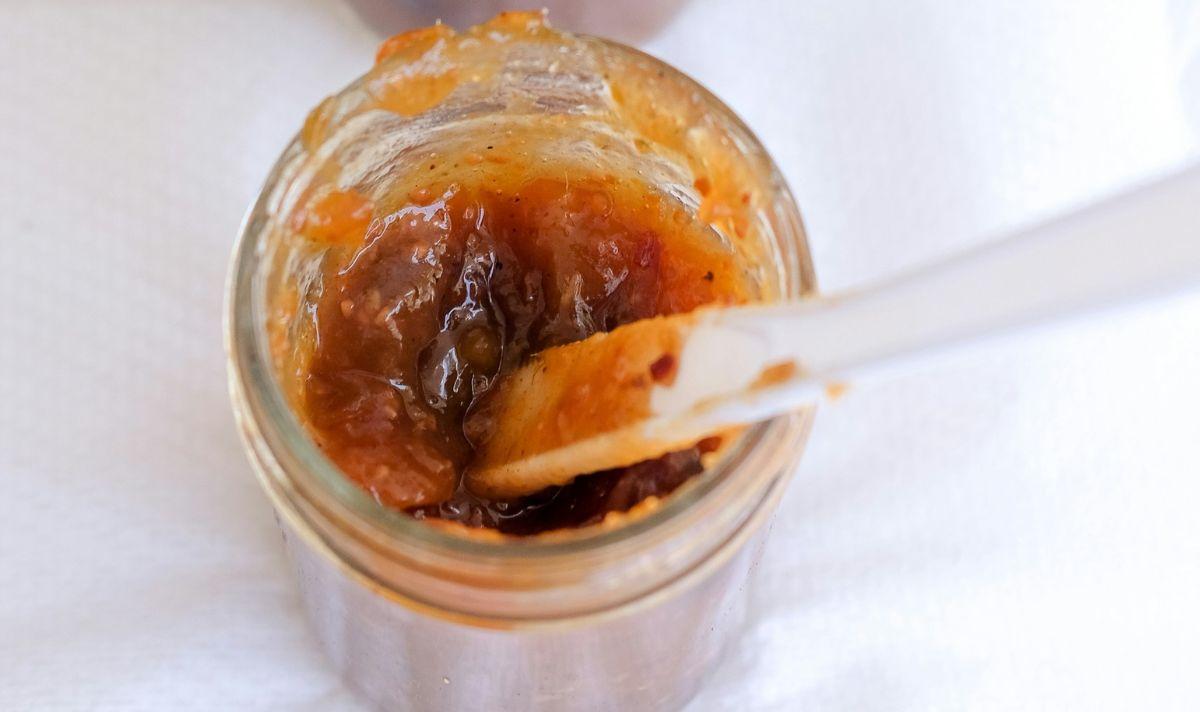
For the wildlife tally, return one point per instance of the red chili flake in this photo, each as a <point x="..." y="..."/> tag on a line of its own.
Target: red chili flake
<point x="662" y="367"/>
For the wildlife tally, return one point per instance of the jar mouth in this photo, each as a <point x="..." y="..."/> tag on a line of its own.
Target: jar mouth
<point x="296" y="466"/>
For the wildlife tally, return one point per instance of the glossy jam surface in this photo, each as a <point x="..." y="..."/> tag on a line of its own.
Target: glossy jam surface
<point x="425" y="307"/>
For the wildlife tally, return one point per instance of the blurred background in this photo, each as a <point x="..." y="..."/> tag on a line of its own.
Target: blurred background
<point x="1015" y="527"/>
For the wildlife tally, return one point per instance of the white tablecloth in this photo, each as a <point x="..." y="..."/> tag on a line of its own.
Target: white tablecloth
<point x="1014" y="527"/>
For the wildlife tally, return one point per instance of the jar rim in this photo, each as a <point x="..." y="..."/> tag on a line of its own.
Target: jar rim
<point x="254" y="384"/>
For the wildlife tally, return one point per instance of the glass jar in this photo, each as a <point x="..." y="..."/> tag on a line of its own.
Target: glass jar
<point x="419" y="617"/>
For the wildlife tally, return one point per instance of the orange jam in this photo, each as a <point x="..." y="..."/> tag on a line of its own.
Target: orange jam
<point x="447" y="292"/>
<point x="595" y="193"/>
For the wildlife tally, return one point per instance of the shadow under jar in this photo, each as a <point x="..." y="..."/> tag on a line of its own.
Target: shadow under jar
<point x="631" y="611"/>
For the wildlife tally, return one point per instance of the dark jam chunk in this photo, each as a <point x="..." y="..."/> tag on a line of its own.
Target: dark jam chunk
<point x="443" y="296"/>
<point x="584" y="501"/>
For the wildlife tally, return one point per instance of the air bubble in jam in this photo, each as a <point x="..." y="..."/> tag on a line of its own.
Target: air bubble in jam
<point x="420" y="317"/>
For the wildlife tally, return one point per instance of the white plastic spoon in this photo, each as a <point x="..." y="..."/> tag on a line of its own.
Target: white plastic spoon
<point x="662" y="384"/>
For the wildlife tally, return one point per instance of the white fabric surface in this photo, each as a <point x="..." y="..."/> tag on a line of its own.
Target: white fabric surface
<point x="1014" y="527"/>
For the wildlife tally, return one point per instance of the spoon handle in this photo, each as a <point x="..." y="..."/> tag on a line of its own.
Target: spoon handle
<point x="1139" y="244"/>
